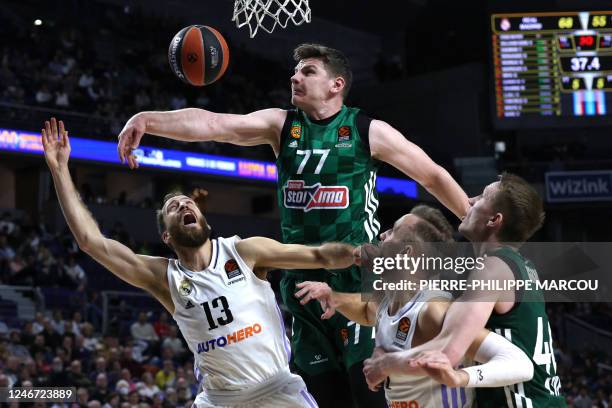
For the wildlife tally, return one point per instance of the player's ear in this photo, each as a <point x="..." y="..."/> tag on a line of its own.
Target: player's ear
<point x="339" y="84"/>
<point x="496" y="220"/>
<point x="409" y="250"/>
<point x="166" y="237"/>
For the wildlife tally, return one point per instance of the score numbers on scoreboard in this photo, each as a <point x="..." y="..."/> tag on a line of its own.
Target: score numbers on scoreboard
<point x="552" y="64"/>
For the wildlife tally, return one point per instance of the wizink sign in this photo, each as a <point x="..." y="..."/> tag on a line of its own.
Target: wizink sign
<point x="573" y="186"/>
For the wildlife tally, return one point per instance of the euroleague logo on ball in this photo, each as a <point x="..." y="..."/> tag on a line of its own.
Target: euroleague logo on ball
<point x="198" y="55"/>
<point x="176" y="41"/>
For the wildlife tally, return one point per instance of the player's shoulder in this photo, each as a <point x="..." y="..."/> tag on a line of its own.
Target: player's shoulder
<point x="434" y="309"/>
<point x="155" y="262"/>
<point x="274" y="117"/>
<point x="155" y="268"/>
<point x="378" y="125"/>
<point x="432" y="315"/>
<point x="271" y="112"/>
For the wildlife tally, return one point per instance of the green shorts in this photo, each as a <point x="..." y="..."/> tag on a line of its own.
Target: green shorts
<point x="320" y="346"/>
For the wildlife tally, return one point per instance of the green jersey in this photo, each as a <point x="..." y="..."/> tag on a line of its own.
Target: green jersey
<point x="527" y="327"/>
<point x="327" y="179"/>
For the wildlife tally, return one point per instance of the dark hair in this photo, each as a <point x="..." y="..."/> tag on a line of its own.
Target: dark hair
<point x="521" y="207"/>
<point x="334" y="61"/>
<point x="434" y="217"/>
<point x="161" y="225"/>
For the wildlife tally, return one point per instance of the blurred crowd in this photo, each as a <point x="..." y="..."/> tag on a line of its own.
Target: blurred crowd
<point x="140" y="361"/>
<point x="104" y="70"/>
<point x="148" y="367"/>
<point x="585" y="372"/>
<point x="586" y="377"/>
<point x="32" y="256"/>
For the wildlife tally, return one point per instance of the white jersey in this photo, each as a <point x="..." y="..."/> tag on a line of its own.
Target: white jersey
<point x="395" y="333"/>
<point x="230" y="320"/>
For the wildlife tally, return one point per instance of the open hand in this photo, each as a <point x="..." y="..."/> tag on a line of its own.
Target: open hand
<point x="200" y="196"/>
<point x="55" y="144"/>
<point x="129" y="139"/>
<point x="319" y="291"/>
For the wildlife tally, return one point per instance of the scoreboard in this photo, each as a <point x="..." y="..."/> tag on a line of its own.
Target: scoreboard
<point x="552" y="69"/>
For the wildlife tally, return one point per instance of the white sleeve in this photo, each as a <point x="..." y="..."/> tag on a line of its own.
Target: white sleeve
<point x="504" y="364"/>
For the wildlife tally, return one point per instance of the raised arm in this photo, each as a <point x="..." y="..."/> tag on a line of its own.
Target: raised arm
<point x="390" y="146"/>
<point x="141" y="271"/>
<point x="199" y="125"/>
<point x="260" y="252"/>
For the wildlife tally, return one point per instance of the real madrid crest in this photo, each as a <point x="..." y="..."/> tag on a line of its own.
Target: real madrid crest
<point x="185" y="287"/>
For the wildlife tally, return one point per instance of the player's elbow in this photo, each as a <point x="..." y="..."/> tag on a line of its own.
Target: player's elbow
<point x="529" y="371"/>
<point x="221" y="128"/>
<point x="87" y="243"/>
<point x="84" y="242"/>
<point x="524" y="368"/>
<point x="369" y="321"/>
<point x="322" y="258"/>
<point x="334" y="255"/>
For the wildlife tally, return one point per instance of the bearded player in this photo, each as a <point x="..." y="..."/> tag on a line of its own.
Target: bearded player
<point x="327" y="159"/>
<point x="226" y="312"/>
<point x="408" y="318"/>
<point x="499" y="221"/>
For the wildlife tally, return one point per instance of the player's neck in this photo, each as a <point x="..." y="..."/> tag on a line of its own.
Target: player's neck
<point x="195" y="259"/>
<point x="325" y="110"/>
<point x="489" y="245"/>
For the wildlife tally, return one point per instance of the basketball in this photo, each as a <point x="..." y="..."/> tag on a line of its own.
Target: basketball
<point x="198" y="55"/>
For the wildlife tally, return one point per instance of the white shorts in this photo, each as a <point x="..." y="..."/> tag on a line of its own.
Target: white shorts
<point x="292" y="394"/>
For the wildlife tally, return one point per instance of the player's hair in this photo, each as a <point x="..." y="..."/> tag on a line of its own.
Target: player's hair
<point x="521" y="206"/>
<point x="421" y="232"/>
<point x="161" y="225"/>
<point x="334" y="61"/>
<point x="436" y="219"/>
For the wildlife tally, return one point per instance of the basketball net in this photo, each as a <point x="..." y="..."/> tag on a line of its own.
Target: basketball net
<point x="267" y="14"/>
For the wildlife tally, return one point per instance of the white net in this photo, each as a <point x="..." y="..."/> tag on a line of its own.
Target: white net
<point x="267" y="14"/>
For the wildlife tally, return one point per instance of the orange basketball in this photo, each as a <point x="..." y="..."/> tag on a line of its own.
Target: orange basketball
<point x="198" y="55"/>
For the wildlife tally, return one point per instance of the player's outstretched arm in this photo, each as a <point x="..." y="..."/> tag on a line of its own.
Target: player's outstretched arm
<point x="350" y="305"/>
<point x="390" y="146"/>
<point x="197" y="125"/>
<point x="142" y="271"/>
<point x="503" y="364"/>
<point x="260" y="252"/>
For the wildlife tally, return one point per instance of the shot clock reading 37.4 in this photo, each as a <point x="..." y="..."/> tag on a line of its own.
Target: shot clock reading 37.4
<point x="552" y="65"/>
